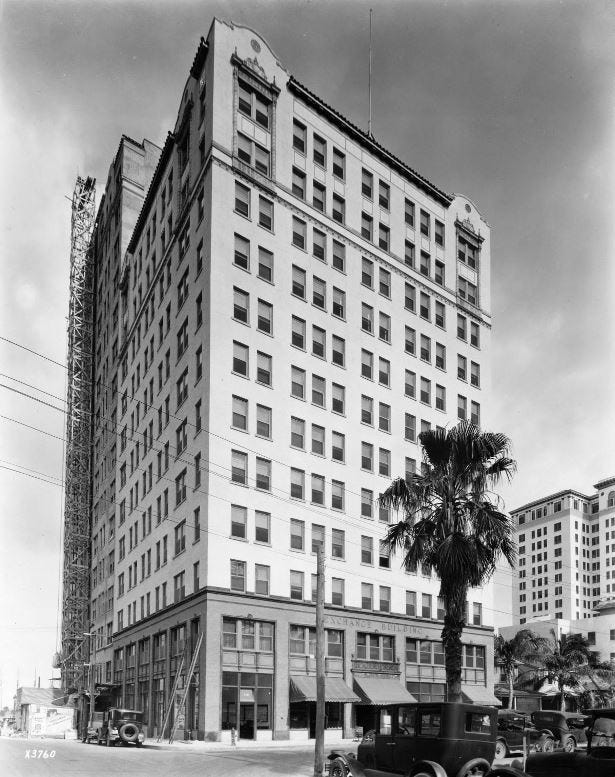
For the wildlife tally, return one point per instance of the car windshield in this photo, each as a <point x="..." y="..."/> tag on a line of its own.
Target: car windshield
<point x="127" y="714"/>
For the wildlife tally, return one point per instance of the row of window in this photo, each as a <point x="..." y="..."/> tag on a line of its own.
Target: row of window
<point x="338" y="169"/>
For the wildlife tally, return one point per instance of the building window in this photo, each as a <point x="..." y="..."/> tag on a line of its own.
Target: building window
<point x="242" y="199"/>
<point x="384" y="462"/>
<point x="409" y="213"/>
<point x="320" y="151"/>
<point x="337" y="543"/>
<point x="265" y="317"/>
<point x="384" y="372"/>
<point x="265" y="265"/>
<point x="375" y="647"/>
<point x="411" y="603"/>
<point x="410" y="427"/>
<point x="180" y="488"/>
<point x="318" y="440"/>
<point x="367" y="503"/>
<point x="467" y="291"/>
<point x="298" y="333"/>
<point x="439" y="275"/>
<point x="440" y="397"/>
<point x="263" y="368"/>
<point x="337" y="494"/>
<point x="384" y="417"/>
<point x="338" y="398"/>
<point x="425" y="228"/>
<point x="439" y="233"/>
<point x="426" y="605"/>
<point x="410" y="341"/>
<point x="318" y="391"/>
<point x="339" y="208"/>
<point x="337" y="591"/>
<point x="239" y="519"/>
<point x="263" y="421"/>
<point x="240" y="359"/>
<point x="367" y="184"/>
<point x="299" y="233"/>
<point x="440" y="315"/>
<point x="338" y="354"/>
<point x="298" y="383"/>
<point x="298" y="183"/>
<point x="261" y="579"/>
<point x="253" y="105"/>
<point x="241" y="305"/>
<point x="263" y="474"/>
<point x="426" y="391"/>
<point x="367" y="226"/>
<point x="367" y="550"/>
<point x="238" y="575"/>
<point x="297" y="433"/>
<point x="252" y="154"/>
<point x="297" y="483"/>
<point x="339" y="164"/>
<point x="318" y="489"/>
<point x="299" y="136"/>
<point x="475" y="374"/>
<point x="410" y="384"/>
<point x="338" y="259"/>
<point x="319" y="293"/>
<point x="339" y="303"/>
<point x="297" y="534"/>
<point x="367" y="273"/>
<point x="265" y="213"/>
<point x="384" y="286"/>
<point x="384" y="234"/>
<point x="425" y="306"/>
<point x="298" y="282"/>
<point x="385" y="598"/>
<point x="440" y="356"/>
<point x="367" y="596"/>
<point x="384" y="327"/>
<point x="240" y="414"/>
<point x="239" y="467"/>
<point x="467" y="252"/>
<point x="384" y="557"/>
<point x="474" y="334"/>
<point x="462" y="407"/>
<point x="367" y="456"/>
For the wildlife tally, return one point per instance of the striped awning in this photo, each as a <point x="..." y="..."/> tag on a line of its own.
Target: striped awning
<point x="303" y="688"/>
<point x="383" y="690"/>
<point x="478" y="694"/>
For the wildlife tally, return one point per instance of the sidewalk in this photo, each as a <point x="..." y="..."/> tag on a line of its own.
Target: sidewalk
<point x="250" y="744"/>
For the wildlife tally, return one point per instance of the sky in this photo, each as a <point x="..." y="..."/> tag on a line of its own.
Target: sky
<point x="509" y="102"/>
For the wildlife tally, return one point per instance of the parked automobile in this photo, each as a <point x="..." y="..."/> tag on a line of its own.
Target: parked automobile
<point x="92" y="733"/>
<point x="567" y="728"/>
<point x="513" y="726"/>
<point x="125" y="726"/>
<point x="443" y="739"/>
<point x="598" y="760"/>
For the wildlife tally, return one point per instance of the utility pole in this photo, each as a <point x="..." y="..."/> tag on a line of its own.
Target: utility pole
<point x="319" y="748"/>
<point x="92" y="678"/>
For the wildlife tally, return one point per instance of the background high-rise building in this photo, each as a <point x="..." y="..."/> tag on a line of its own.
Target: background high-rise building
<point x="282" y="307"/>
<point x="566" y="554"/>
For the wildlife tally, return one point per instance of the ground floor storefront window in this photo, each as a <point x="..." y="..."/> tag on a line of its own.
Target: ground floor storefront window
<point x="247" y="702"/>
<point x="303" y="715"/>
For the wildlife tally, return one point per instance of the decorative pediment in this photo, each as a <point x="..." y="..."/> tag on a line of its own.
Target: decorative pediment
<point x="253" y="65"/>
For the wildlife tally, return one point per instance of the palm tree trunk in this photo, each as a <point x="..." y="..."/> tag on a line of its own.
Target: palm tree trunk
<point x="562" y="699"/>
<point x="454" y="605"/>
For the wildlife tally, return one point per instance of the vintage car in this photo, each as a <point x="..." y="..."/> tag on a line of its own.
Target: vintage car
<point x="513" y="727"/>
<point x="92" y="733"/>
<point x="598" y="760"/>
<point x="125" y="726"/>
<point x="443" y="739"/>
<point x="567" y="728"/>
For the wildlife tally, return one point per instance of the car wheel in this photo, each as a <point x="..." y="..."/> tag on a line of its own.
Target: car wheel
<point x="548" y="745"/>
<point x="501" y="751"/>
<point x="475" y="768"/>
<point x="570" y="745"/>
<point x="337" y="768"/>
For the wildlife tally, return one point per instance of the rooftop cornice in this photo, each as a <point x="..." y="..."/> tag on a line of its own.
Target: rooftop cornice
<point x="199" y="58"/>
<point x="605" y="483"/>
<point x="536" y="502"/>
<point x="368" y="142"/>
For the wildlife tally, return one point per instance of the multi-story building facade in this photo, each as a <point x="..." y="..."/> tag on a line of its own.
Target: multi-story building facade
<point x="566" y="547"/>
<point x="295" y="305"/>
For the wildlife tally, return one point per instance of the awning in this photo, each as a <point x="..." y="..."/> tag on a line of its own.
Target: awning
<point x="383" y="690"/>
<point x="478" y="694"/>
<point x="303" y="688"/>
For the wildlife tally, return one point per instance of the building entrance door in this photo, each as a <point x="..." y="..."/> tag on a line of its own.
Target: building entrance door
<point x="246" y="721"/>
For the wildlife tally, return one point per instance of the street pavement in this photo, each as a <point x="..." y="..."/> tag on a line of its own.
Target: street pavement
<point x="72" y="758"/>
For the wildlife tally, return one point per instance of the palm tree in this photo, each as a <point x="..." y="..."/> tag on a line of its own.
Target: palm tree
<point x="568" y="662"/>
<point x="452" y="524"/>
<point x="509" y="654"/>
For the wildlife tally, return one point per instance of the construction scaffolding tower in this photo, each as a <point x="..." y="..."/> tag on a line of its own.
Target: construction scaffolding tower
<point x="77" y="497"/>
